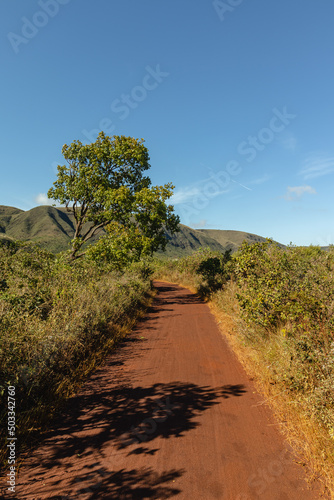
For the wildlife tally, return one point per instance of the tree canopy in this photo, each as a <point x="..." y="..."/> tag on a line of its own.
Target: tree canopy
<point x="104" y="186"/>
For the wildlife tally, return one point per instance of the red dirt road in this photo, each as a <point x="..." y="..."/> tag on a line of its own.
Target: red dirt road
<point x="172" y="414"/>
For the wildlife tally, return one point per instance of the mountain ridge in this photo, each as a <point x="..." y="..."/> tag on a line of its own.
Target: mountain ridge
<point x="53" y="228"/>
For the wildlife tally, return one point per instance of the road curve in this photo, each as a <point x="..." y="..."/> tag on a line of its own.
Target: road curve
<point x="171" y="414"/>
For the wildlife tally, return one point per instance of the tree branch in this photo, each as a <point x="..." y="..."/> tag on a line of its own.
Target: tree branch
<point x="92" y="230"/>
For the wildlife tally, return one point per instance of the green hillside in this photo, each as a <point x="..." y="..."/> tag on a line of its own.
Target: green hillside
<point x="188" y="240"/>
<point x="231" y="240"/>
<point x="6" y="215"/>
<point x="53" y="228"/>
<point x="48" y="226"/>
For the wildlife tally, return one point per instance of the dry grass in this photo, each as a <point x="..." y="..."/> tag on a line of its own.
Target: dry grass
<point x="310" y="441"/>
<point x="266" y="356"/>
<point x="34" y="422"/>
<point x="57" y="324"/>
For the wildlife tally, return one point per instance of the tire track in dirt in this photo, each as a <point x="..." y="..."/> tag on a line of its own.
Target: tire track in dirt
<point x="172" y="413"/>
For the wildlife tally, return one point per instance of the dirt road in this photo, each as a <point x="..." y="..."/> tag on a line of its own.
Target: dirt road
<point x="171" y="414"/>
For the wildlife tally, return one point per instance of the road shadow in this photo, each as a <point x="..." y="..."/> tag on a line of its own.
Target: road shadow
<point x="123" y="485"/>
<point x="124" y="415"/>
<point x="113" y="416"/>
<point x="164" y="299"/>
<point x="173" y="294"/>
<point x="124" y="419"/>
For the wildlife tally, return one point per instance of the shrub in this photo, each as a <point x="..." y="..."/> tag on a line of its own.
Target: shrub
<point x="288" y="294"/>
<point x="205" y="270"/>
<point x="56" y="317"/>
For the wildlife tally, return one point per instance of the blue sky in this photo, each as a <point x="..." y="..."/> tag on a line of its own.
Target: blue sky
<point x="233" y="98"/>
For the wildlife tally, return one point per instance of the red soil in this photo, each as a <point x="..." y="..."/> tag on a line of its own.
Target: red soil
<point x="172" y="413"/>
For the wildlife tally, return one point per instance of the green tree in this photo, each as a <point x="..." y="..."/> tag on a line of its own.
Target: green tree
<point x="104" y="187"/>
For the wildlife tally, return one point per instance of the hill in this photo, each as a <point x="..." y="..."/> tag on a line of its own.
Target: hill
<point x="53" y="228"/>
<point x="186" y="241"/>
<point x="231" y="240"/>
<point x="6" y="215"/>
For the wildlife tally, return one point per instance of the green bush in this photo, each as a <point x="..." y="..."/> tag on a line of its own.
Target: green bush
<point x="205" y="270"/>
<point x="286" y="298"/>
<point x="56" y="317"/>
<point x="288" y="294"/>
<point x="293" y="286"/>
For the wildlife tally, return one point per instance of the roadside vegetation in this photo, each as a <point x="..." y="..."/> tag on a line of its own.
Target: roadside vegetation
<point x="57" y="323"/>
<point x="275" y="307"/>
<point x="60" y="315"/>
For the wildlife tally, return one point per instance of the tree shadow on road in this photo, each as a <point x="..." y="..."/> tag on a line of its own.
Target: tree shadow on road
<point x="125" y="415"/>
<point x="182" y="296"/>
<point x="124" y="418"/>
<point x="123" y="485"/>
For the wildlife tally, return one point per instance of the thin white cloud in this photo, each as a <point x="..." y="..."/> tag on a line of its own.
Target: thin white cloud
<point x="207" y="188"/>
<point x="42" y="199"/>
<point x="260" y="180"/>
<point x="184" y="195"/>
<point x="200" y="224"/>
<point x="242" y="185"/>
<point x="296" y="192"/>
<point x="317" y="166"/>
